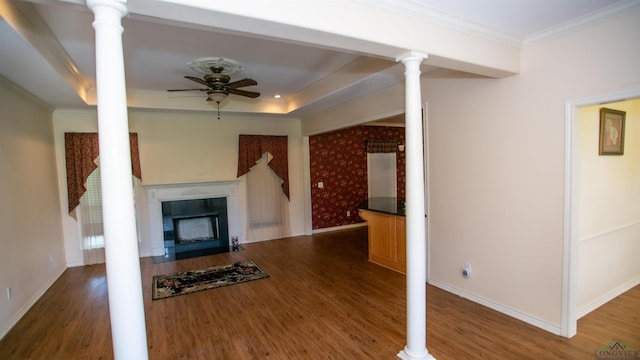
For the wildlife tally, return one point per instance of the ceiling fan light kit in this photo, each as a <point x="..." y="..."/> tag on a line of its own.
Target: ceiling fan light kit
<point x="216" y="78"/>
<point x="216" y="96"/>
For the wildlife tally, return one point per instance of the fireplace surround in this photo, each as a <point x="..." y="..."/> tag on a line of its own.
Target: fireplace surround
<point x="201" y="206"/>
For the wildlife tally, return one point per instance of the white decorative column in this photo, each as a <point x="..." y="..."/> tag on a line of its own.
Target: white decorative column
<point x="416" y="347"/>
<point x="124" y="281"/>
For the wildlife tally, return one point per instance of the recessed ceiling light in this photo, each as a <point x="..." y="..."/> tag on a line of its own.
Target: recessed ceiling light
<point x="277" y="96"/>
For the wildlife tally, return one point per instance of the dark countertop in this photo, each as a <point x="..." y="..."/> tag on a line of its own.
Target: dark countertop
<point x="388" y="205"/>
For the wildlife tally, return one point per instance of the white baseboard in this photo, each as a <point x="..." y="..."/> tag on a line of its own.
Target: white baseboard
<point x="23" y="310"/>
<point x="605" y="298"/>
<point x="529" y="319"/>
<point x="336" y="228"/>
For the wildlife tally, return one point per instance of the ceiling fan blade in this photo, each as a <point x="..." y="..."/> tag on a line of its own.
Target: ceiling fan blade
<point x="171" y="90"/>
<point x="242" y="83"/>
<point x="198" y="80"/>
<point x="251" y="94"/>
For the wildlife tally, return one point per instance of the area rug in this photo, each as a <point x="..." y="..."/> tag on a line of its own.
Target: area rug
<point x="188" y="282"/>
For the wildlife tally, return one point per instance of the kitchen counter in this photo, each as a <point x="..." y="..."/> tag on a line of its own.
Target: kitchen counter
<point x="388" y="205"/>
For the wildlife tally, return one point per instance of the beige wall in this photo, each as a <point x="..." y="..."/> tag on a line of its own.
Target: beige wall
<point x="497" y="167"/>
<point x="32" y="255"/>
<point x="607" y="209"/>
<point x="181" y="147"/>
<point x="496" y="172"/>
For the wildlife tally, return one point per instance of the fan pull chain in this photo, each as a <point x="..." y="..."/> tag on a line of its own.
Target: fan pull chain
<point x="218" y="111"/>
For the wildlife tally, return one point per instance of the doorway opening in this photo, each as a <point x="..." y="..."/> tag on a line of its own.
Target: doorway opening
<point x="592" y="242"/>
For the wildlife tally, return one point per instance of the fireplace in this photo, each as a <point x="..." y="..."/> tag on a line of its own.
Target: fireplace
<point x="195" y="227"/>
<point x="161" y="226"/>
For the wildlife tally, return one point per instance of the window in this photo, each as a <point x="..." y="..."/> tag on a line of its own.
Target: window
<point x="90" y="220"/>
<point x="268" y="207"/>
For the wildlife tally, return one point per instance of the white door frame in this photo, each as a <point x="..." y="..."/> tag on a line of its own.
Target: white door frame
<point x="427" y="197"/>
<point x="569" y="324"/>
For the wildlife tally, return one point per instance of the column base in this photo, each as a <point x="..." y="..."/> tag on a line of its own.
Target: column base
<point x="405" y="354"/>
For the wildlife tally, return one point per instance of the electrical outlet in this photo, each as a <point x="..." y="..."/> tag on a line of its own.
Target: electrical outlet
<point x="8" y="293"/>
<point x="51" y="259"/>
<point x="320" y="185"/>
<point x="466" y="270"/>
<point x="348" y="213"/>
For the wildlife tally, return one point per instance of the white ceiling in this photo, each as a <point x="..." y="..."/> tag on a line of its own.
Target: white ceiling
<point x="157" y="51"/>
<point x="520" y="18"/>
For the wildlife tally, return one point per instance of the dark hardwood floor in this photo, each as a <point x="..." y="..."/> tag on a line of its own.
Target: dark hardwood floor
<point x="323" y="300"/>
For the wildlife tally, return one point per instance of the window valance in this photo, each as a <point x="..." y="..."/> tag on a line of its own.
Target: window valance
<point x="382" y="146"/>
<point x="81" y="152"/>
<point x="252" y="147"/>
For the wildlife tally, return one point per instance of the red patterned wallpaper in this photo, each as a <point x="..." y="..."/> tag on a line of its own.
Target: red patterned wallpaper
<point x="339" y="160"/>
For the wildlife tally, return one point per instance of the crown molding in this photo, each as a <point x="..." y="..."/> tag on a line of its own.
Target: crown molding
<point x="583" y="22"/>
<point x="433" y="15"/>
<point x="26" y="21"/>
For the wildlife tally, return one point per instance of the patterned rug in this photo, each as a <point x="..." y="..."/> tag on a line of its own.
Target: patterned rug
<point x="188" y="282"/>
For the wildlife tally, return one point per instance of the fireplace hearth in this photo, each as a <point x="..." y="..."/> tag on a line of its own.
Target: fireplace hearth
<point x="195" y="227"/>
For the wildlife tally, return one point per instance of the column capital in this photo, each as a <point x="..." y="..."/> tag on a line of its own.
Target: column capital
<point x="119" y="5"/>
<point x="412" y="56"/>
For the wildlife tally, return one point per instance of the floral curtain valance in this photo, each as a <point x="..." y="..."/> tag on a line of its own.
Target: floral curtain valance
<point x="382" y="146"/>
<point x="81" y="152"/>
<point x="251" y="148"/>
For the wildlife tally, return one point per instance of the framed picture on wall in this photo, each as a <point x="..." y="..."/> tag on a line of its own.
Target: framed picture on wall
<point x="611" y="132"/>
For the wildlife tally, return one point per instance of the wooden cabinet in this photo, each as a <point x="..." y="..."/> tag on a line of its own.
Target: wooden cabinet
<point x="387" y="239"/>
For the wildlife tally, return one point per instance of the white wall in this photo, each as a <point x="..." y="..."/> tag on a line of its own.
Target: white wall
<point x="607" y="208"/>
<point x="32" y="255"/>
<point x="182" y="147"/>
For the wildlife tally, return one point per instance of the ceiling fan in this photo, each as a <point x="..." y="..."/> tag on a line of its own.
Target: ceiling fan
<point x="216" y="79"/>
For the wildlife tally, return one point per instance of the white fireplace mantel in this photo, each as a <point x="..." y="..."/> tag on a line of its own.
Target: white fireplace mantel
<point x="157" y="193"/>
